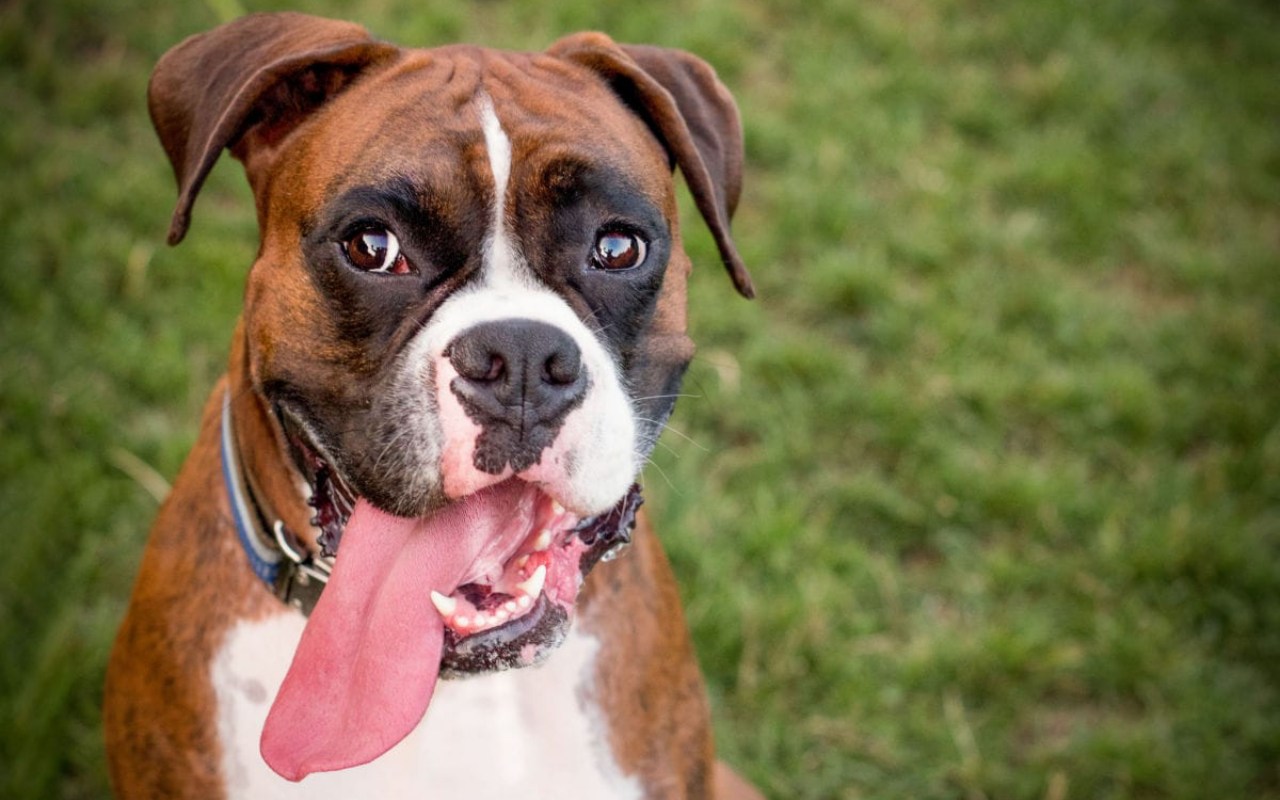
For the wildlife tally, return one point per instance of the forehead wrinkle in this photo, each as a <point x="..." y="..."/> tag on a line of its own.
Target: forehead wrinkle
<point x="552" y="109"/>
<point x="407" y="114"/>
<point x="420" y="119"/>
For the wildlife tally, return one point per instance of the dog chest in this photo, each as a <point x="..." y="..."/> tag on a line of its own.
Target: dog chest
<point x="534" y="731"/>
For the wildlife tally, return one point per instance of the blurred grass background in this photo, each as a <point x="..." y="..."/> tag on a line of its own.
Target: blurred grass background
<point x="980" y="500"/>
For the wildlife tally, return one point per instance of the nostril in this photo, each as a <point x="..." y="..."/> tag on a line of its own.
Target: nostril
<point x="497" y="368"/>
<point x="562" y="368"/>
<point x="476" y="360"/>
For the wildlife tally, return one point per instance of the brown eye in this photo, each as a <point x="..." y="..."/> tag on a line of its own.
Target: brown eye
<point x="617" y="250"/>
<point x="376" y="250"/>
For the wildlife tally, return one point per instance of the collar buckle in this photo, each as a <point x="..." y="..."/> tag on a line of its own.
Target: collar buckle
<point x="302" y="576"/>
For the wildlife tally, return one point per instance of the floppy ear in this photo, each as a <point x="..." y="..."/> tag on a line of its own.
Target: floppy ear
<point x="692" y="114"/>
<point x="246" y="85"/>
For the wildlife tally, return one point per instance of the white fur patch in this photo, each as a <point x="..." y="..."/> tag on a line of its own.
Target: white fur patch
<point x="529" y="733"/>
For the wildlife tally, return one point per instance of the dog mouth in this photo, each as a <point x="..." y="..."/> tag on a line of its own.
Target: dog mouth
<point x="483" y="583"/>
<point x="515" y="604"/>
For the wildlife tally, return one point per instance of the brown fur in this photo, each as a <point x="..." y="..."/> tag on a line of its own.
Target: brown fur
<point x="158" y="708"/>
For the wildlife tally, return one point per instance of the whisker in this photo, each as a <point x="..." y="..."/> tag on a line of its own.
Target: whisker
<point x="650" y="463"/>
<point x="679" y="433"/>
<point x="387" y="448"/>
<point x="667" y="397"/>
<point x="659" y="443"/>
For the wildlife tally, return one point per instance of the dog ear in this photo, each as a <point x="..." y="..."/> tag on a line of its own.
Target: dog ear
<point x="246" y="85"/>
<point x="692" y="114"/>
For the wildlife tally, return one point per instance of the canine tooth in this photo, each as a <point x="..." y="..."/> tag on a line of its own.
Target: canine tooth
<point x="543" y="541"/>
<point x="533" y="586"/>
<point x="445" y="605"/>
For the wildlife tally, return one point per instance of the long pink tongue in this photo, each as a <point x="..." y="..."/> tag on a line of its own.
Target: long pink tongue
<point x="367" y="663"/>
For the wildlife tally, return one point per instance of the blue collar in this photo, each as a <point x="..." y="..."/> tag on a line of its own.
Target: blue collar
<point x="288" y="570"/>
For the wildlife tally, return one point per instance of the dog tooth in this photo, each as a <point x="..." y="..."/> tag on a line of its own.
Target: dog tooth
<point x="533" y="586"/>
<point x="447" y="606"/>
<point x="543" y="541"/>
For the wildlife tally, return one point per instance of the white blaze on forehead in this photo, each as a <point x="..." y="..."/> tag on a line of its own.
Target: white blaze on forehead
<point x="498" y="146"/>
<point x="503" y="265"/>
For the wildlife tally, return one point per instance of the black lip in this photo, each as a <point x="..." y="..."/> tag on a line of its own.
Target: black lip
<point x="331" y="496"/>
<point x="609" y="533"/>
<point x="522" y="642"/>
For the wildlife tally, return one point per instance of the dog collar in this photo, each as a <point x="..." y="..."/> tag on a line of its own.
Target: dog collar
<point x="274" y="553"/>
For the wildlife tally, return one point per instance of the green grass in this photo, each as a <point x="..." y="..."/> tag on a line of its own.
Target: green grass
<point x="982" y="497"/>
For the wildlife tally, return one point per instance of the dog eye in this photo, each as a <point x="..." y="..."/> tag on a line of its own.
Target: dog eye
<point x="376" y="250"/>
<point x="618" y="250"/>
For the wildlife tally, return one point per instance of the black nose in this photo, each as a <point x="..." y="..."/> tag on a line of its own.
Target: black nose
<point x="517" y="379"/>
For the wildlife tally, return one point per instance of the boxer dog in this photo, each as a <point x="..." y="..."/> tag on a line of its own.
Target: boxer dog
<point x="462" y="335"/>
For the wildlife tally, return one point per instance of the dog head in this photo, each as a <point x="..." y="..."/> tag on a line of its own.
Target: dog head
<point x="467" y="312"/>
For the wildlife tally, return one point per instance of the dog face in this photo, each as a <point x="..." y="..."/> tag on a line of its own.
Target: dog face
<point x="476" y="245"/>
